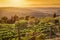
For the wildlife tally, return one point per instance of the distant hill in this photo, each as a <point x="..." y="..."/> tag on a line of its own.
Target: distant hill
<point x="37" y="12"/>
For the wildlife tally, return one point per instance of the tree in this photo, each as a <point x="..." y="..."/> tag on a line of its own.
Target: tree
<point x="54" y="15"/>
<point x="4" y="19"/>
<point x="27" y="17"/>
<point x="22" y="24"/>
<point x="13" y="19"/>
<point x="16" y="18"/>
<point x="0" y="21"/>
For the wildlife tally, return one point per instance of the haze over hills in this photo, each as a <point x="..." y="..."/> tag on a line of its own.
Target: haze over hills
<point x="37" y="12"/>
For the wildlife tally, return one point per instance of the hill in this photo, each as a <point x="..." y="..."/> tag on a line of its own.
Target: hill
<point x="37" y="12"/>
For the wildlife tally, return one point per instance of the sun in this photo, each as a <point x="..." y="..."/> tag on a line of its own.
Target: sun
<point x="16" y="3"/>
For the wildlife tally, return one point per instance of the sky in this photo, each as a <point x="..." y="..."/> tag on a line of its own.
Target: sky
<point x="29" y="3"/>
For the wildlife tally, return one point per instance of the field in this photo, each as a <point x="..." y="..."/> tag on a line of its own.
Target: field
<point x="30" y="28"/>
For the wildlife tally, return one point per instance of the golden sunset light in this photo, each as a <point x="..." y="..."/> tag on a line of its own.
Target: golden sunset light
<point x="13" y="3"/>
<point x="29" y="19"/>
<point x="29" y="3"/>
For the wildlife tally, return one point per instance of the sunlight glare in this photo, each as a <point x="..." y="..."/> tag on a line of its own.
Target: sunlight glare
<point x="17" y="3"/>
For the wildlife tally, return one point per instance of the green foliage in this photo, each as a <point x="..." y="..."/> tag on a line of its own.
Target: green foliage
<point x="29" y="28"/>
